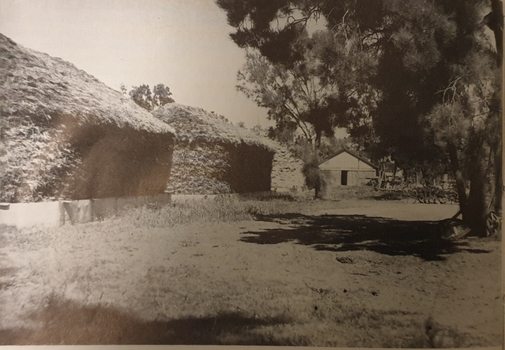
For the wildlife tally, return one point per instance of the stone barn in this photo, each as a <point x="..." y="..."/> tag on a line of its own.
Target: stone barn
<point x="346" y="168"/>
<point x="66" y="135"/>
<point x="212" y="156"/>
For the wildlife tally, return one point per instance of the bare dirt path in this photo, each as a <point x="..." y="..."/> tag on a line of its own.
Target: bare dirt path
<point x="356" y="275"/>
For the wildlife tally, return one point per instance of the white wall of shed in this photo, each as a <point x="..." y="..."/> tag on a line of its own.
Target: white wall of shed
<point x="345" y="161"/>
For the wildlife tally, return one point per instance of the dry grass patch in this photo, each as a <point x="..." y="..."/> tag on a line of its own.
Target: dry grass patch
<point x="64" y="322"/>
<point x="182" y="274"/>
<point x="222" y="208"/>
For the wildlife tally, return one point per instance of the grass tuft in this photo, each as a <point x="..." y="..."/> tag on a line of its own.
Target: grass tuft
<point x="221" y="209"/>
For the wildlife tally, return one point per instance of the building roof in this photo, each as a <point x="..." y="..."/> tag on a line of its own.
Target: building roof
<point x="196" y="124"/>
<point x="355" y="155"/>
<point x="36" y="86"/>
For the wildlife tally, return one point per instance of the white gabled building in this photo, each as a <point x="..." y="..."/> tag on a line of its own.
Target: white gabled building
<point x="347" y="169"/>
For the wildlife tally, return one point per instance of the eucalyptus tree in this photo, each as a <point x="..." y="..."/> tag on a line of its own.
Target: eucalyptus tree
<point x="315" y="93"/>
<point x="437" y="78"/>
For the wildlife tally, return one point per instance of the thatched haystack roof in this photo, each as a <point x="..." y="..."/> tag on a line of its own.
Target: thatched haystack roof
<point x="194" y="124"/>
<point x="64" y="134"/>
<point x="214" y="156"/>
<point x="203" y="164"/>
<point x="34" y="84"/>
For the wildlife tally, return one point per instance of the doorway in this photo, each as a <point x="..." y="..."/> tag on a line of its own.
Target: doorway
<point x="343" y="178"/>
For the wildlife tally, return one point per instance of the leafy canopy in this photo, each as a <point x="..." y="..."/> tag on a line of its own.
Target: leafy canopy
<point x="317" y="92"/>
<point x="421" y="48"/>
<point x="142" y="96"/>
<point x="436" y="78"/>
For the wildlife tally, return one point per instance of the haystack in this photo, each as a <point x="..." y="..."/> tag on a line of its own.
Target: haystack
<point x="64" y="134"/>
<point x="213" y="156"/>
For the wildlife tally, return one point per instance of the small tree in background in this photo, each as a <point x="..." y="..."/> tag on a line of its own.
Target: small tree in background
<point x="161" y="95"/>
<point x="142" y="96"/>
<point x="123" y="89"/>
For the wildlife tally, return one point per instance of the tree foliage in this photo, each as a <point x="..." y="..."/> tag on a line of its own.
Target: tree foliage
<point x="436" y="79"/>
<point x="142" y="96"/>
<point x="317" y="92"/>
<point x="162" y="95"/>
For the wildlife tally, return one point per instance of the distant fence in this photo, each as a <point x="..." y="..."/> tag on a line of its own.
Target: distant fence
<point x="58" y="213"/>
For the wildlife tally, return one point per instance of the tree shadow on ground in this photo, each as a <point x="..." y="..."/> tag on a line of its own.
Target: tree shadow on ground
<point x="342" y="233"/>
<point x="67" y="323"/>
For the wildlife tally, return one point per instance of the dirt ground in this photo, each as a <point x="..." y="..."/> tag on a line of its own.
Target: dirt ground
<point x="367" y="274"/>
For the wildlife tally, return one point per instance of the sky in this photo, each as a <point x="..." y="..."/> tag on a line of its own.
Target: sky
<point x="183" y="44"/>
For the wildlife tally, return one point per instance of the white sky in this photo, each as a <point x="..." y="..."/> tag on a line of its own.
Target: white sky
<point x="183" y="44"/>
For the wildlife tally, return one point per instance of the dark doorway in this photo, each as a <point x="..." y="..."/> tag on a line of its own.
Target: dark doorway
<point x="343" y="179"/>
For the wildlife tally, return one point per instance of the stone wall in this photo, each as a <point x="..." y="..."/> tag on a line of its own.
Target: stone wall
<point x="287" y="171"/>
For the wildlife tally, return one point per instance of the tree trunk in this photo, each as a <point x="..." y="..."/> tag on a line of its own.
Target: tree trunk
<point x="317" y="141"/>
<point x="317" y="190"/>
<point x="473" y="206"/>
<point x="475" y="210"/>
<point x="495" y="22"/>
<point x="458" y="175"/>
<point x="475" y="214"/>
<point x="498" y="177"/>
<point x="382" y="174"/>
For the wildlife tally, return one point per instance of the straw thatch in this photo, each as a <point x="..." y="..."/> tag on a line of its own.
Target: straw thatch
<point x="212" y="156"/>
<point x="35" y="84"/>
<point x="66" y="134"/>
<point x="194" y="124"/>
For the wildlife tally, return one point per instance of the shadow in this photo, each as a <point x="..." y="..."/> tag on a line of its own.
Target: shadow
<point x="67" y="323"/>
<point x="359" y="232"/>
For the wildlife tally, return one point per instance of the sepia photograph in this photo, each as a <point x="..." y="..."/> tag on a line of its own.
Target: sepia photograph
<point x="288" y="173"/>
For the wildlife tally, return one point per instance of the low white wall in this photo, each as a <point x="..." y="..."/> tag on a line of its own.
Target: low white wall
<point x="22" y="215"/>
<point x="31" y="214"/>
<point x="51" y="214"/>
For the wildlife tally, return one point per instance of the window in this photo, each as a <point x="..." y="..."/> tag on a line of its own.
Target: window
<point x="343" y="178"/>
